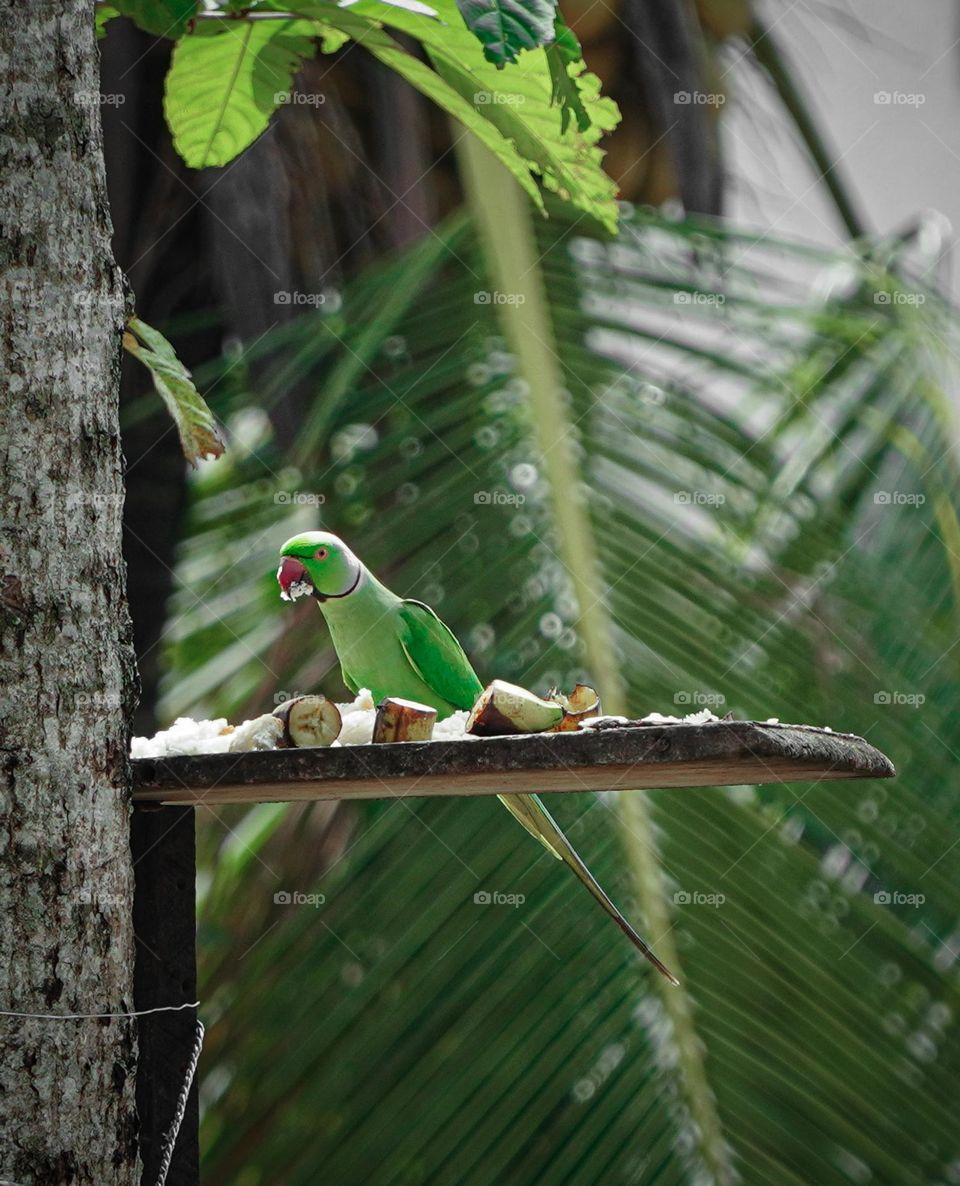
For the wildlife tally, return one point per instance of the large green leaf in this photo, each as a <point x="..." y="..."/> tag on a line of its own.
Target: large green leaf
<point x="507" y="27"/>
<point x="376" y="41"/>
<point x="222" y="89"/>
<point x="520" y="103"/>
<point x="754" y="466"/>
<point x="521" y="114"/>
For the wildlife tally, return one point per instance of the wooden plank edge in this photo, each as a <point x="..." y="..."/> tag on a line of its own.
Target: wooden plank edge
<point x="718" y="754"/>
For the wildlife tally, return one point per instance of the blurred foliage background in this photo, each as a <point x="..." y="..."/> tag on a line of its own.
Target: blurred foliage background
<point x="764" y="434"/>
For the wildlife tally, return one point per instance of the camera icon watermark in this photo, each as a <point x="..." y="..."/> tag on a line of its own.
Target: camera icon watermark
<point x="309" y="299"/>
<point x="699" y="498"/>
<point x="910" y="699"/>
<point x="88" y="897"/>
<point x="100" y="698"/>
<point x="700" y="699"/>
<point x="699" y="98"/>
<point x="483" y="297"/>
<point x="899" y="98"/>
<point x="283" y="696"/>
<point x="884" y="297"/>
<point x="299" y="498"/>
<point x="93" y="300"/>
<point x="100" y="99"/>
<point x="497" y="99"/>
<point x="496" y="898"/>
<point x="80" y="500"/>
<point x="699" y="298"/>
<point x="895" y="898"/>
<point x="698" y="898"/>
<point x="498" y="498"/>
<point x="898" y="498"/>
<point x="298" y="99"/>
<point x="296" y="898"/>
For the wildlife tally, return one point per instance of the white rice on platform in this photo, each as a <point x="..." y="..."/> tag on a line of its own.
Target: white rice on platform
<point x="703" y="717"/>
<point x="186" y="736"/>
<point x="358" y="717"/>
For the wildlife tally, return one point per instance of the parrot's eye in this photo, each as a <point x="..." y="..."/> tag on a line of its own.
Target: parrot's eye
<point x="321" y="554"/>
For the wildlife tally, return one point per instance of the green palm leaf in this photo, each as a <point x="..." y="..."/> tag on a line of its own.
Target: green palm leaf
<point x="403" y="1033"/>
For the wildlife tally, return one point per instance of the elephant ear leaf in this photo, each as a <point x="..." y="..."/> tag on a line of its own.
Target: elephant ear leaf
<point x="221" y="90"/>
<point x="200" y="435"/>
<point x="507" y="27"/>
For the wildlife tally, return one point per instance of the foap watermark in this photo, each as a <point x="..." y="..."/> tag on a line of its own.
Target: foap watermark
<point x="81" y="500"/>
<point x="899" y="98"/>
<point x="311" y="299"/>
<point x="699" y="298"/>
<point x="496" y="898"/>
<point x="498" y="298"/>
<point x="899" y="498"/>
<point x="100" y="99"/>
<point x="282" y="697"/>
<point x="895" y="898"/>
<point x="88" y="897"/>
<point x="299" y="498"/>
<point x="497" y="99"/>
<point x="699" y="498"/>
<point x="104" y="699"/>
<point x="700" y="699"/>
<point x="698" y="898"/>
<point x="93" y="300"/>
<point x="298" y="99"/>
<point x="498" y="498"/>
<point x="883" y="297"/>
<point x="910" y="699"/>
<point x="699" y="98"/>
<point x="296" y="898"/>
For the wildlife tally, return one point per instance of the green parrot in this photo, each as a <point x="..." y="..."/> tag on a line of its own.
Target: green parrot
<point x="398" y="647"/>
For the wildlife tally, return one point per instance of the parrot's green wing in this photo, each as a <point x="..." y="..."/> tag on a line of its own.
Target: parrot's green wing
<point x="434" y="653"/>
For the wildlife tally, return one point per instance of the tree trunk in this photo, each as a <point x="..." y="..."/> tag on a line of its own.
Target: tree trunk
<point x="65" y="658"/>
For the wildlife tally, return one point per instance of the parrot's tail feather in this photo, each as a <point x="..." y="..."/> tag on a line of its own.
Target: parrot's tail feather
<point x="530" y="811"/>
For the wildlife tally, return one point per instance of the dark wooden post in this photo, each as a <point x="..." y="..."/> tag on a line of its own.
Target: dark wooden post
<point x="164" y="923"/>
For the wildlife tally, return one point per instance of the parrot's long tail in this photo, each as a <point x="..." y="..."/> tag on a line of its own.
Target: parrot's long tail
<point x="530" y="811"/>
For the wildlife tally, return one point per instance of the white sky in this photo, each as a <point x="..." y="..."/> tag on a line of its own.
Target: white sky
<point x="897" y="159"/>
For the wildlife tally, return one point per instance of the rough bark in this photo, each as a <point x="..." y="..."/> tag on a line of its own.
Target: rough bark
<point x="158" y="243"/>
<point x="65" y="661"/>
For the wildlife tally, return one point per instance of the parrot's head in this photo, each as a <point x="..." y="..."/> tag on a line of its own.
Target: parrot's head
<point x="319" y="563"/>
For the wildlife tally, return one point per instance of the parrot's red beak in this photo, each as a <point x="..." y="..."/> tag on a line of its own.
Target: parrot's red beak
<point x="289" y="573"/>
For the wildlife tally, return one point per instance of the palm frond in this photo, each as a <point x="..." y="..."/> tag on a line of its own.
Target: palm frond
<point x="771" y="495"/>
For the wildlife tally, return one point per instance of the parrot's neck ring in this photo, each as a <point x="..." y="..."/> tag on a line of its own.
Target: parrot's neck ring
<point x="345" y="593"/>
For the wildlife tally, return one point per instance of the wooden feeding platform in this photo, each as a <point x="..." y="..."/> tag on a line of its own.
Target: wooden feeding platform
<point x="631" y="756"/>
<point x="610" y="756"/>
